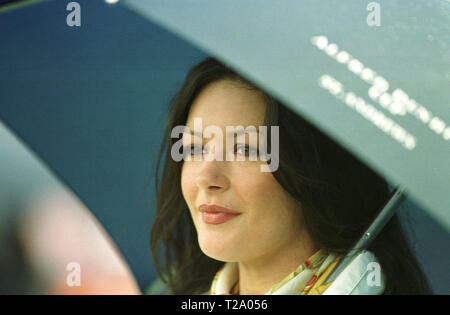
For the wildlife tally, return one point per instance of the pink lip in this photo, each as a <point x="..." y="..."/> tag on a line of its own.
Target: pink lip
<point x="213" y="214"/>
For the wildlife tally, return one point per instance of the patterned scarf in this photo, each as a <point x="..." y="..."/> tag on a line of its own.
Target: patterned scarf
<point x="307" y="279"/>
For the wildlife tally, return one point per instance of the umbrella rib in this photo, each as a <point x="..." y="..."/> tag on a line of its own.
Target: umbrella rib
<point x="397" y="197"/>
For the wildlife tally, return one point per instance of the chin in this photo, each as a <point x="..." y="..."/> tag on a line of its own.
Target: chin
<point x="219" y="249"/>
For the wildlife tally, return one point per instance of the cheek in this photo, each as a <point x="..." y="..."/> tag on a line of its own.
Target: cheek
<point x="258" y="187"/>
<point x="268" y="201"/>
<point x="188" y="187"/>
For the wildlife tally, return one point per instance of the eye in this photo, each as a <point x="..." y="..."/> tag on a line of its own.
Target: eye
<point x="243" y="149"/>
<point x="193" y="149"/>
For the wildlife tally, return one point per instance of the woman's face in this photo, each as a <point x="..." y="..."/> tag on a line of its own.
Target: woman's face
<point x="269" y="219"/>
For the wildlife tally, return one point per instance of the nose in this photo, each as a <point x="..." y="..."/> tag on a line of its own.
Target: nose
<point x="211" y="174"/>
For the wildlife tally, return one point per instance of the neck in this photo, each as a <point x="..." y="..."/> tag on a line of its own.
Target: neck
<point x="257" y="276"/>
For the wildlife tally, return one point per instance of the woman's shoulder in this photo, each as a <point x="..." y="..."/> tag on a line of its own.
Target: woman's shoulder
<point x="363" y="276"/>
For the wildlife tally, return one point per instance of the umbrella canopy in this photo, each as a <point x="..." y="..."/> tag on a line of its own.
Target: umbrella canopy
<point x="91" y="100"/>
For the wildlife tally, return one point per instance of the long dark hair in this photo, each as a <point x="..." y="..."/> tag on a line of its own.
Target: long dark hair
<point x="339" y="196"/>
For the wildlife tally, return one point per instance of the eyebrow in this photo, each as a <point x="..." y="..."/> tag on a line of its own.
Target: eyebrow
<point x="235" y="132"/>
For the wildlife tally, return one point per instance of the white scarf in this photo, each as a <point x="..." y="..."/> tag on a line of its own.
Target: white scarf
<point x="297" y="282"/>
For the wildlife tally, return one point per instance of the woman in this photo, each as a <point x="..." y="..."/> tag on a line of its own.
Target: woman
<point x="281" y="232"/>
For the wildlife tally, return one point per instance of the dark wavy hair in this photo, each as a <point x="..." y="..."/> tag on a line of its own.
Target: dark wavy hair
<point x="338" y="194"/>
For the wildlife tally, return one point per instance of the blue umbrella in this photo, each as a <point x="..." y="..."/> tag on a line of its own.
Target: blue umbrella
<point x="91" y="100"/>
<point x="321" y="58"/>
